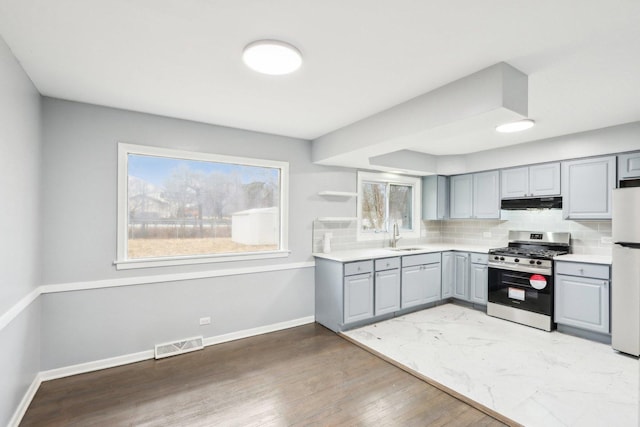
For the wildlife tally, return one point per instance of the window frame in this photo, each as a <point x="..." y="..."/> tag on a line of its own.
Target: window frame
<point x="122" y="262"/>
<point x="394" y="179"/>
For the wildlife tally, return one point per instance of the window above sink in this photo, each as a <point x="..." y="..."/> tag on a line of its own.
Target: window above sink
<point x="386" y="199"/>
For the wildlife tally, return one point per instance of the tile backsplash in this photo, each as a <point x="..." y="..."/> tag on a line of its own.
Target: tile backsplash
<point x="587" y="237"/>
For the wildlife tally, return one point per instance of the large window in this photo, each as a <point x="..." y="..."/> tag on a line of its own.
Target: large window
<point x="177" y="207"/>
<point x="385" y="200"/>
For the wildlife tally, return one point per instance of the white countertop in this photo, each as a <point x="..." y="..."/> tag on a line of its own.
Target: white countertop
<point x="374" y="253"/>
<point x="590" y="259"/>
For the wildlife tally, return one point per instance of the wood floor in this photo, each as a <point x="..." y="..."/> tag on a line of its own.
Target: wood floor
<point x="302" y="376"/>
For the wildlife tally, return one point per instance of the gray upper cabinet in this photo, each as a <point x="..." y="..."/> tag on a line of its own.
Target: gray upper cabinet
<point x="486" y="195"/>
<point x="475" y="195"/>
<point x="435" y="197"/>
<point x="629" y="165"/>
<point x="544" y="180"/>
<point x="461" y="196"/>
<point x="532" y="181"/>
<point x="515" y="182"/>
<point x="587" y="187"/>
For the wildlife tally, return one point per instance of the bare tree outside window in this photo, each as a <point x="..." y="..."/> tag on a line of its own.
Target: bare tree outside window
<point x="400" y="206"/>
<point x="384" y="204"/>
<point x="183" y="207"/>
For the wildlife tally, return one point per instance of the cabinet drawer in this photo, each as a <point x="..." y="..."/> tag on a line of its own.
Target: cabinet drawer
<point x="479" y="258"/>
<point x="598" y="271"/>
<point x="358" y="267"/>
<point x="409" y="260"/>
<point x="387" y="263"/>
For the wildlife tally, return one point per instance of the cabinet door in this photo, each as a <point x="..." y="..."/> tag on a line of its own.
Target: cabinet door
<point x="544" y="180"/>
<point x="448" y="274"/>
<point x="435" y="197"/>
<point x="582" y="303"/>
<point x="413" y="286"/>
<point x="387" y="295"/>
<point x="461" y="196"/>
<point x="432" y="282"/>
<point x="478" y="283"/>
<point x="515" y="183"/>
<point x="461" y="281"/>
<point x="587" y="188"/>
<point x="629" y="166"/>
<point x="486" y="195"/>
<point x="358" y="297"/>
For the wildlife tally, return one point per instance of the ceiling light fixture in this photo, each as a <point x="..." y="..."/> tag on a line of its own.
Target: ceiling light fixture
<point x="515" y="126"/>
<point x="272" y="57"/>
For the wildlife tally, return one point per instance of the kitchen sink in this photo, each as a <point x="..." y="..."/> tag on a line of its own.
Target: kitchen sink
<point x="405" y="249"/>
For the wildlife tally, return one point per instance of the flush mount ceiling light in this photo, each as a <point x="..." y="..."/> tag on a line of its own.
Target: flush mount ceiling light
<point x="272" y="57"/>
<point x="515" y="126"/>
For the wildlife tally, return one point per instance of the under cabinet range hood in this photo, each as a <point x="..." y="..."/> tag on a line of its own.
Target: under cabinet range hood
<point x="531" y="203"/>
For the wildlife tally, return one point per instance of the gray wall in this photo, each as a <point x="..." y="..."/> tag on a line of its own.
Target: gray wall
<point x="19" y="228"/>
<point x="79" y="218"/>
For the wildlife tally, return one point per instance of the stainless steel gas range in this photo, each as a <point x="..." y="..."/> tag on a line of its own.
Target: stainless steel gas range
<point x="521" y="277"/>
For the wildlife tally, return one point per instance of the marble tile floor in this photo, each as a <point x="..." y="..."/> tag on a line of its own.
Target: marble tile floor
<point x="533" y="377"/>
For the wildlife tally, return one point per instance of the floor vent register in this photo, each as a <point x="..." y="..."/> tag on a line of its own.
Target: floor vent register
<point x="178" y="347"/>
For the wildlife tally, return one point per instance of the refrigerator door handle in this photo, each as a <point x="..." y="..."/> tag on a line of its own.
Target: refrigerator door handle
<point x="632" y="245"/>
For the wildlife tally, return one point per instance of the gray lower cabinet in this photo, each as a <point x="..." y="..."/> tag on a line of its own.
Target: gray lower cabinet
<point x="478" y="279"/>
<point x="387" y="286"/>
<point x="465" y="276"/>
<point x="587" y="187"/>
<point x="358" y="297"/>
<point x="461" y="275"/>
<point x="448" y="274"/>
<point x="421" y="279"/>
<point x="344" y="292"/>
<point x="582" y="294"/>
<point x="350" y="294"/>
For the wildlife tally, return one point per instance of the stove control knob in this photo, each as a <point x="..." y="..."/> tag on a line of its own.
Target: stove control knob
<point x="496" y="258"/>
<point x="539" y="262"/>
<point x="501" y="258"/>
<point x="516" y="260"/>
<point x="532" y="262"/>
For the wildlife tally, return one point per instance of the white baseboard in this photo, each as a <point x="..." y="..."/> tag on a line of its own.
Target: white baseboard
<point x="258" y="331"/>
<point x="25" y="402"/>
<point x="111" y="362"/>
<point x="96" y="365"/>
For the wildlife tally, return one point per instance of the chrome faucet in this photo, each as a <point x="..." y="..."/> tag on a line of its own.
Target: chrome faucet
<point x="395" y="236"/>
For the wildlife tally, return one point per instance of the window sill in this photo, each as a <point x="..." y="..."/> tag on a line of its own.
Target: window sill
<point x="190" y="260"/>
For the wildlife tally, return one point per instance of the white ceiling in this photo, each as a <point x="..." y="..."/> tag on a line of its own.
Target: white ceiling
<point x="182" y="58"/>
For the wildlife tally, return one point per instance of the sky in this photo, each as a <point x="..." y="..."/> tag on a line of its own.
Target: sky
<point x="156" y="170"/>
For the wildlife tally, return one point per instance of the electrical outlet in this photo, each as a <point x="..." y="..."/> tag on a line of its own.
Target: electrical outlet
<point x="486" y="234"/>
<point x="606" y="240"/>
<point x="205" y="321"/>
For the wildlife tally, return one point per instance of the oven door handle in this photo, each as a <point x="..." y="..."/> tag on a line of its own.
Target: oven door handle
<point x="522" y="269"/>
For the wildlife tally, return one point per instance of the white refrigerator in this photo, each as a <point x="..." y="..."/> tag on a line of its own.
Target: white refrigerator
<point x="625" y="268"/>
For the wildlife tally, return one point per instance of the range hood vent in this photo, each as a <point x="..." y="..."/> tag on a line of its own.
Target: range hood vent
<point x="531" y="203"/>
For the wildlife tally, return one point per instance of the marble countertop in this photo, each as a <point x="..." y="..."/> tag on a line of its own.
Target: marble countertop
<point x="590" y="259"/>
<point x="375" y="253"/>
